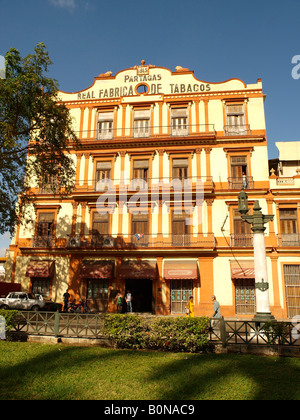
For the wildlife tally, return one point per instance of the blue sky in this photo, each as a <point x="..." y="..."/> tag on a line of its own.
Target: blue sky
<point x="218" y="39"/>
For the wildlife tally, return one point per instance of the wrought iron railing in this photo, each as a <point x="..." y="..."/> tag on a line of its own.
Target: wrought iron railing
<point x="241" y="239"/>
<point x="149" y="131"/>
<point x="288" y="239"/>
<point x="237" y="130"/>
<point x="109" y="185"/>
<point x="237" y="183"/>
<point x="141" y="240"/>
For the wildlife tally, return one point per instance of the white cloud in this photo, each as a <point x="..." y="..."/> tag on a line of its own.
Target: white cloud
<point x="64" y="4"/>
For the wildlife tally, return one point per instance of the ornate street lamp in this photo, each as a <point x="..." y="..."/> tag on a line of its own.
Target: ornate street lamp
<point x="257" y="222"/>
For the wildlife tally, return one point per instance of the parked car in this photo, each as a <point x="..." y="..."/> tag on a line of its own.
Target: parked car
<point x="22" y="301"/>
<point x="50" y="305"/>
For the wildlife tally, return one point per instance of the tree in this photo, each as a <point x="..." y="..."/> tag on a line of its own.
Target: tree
<point x="35" y="135"/>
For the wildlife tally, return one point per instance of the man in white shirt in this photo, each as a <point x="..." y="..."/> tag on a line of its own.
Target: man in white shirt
<point x="128" y="299"/>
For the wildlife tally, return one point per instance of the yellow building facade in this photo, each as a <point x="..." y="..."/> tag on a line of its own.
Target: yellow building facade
<point x="153" y="210"/>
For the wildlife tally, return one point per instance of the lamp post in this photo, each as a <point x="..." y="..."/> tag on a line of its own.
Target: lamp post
<point x="257" y="222"/>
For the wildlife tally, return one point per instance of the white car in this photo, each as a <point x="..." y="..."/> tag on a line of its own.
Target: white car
<point x="22" y="301"/>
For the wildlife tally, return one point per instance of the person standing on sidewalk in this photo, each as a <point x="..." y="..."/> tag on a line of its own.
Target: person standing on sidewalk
<point x="128" y="299"/>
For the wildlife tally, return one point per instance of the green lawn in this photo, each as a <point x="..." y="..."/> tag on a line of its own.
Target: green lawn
<point x="40" y="371"/>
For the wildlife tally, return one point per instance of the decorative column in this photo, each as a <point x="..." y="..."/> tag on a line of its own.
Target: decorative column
<point x="258" y="221"/>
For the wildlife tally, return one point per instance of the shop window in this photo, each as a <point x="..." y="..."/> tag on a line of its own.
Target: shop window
<point x="181" y="290"/>
<point x="41" y="286"/>
<point x="245" y="300"/>
<point x="97" y="289"/>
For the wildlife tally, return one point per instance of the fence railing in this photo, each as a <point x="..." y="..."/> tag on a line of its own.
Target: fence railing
<point x="222" y="331"/>
<point x="252" y="332"/>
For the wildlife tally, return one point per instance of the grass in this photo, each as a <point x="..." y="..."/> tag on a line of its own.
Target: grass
<point x="57" y="372"/>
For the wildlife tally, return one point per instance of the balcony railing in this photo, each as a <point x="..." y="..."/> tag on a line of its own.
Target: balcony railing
<point x="242" y="240"/>
<point x="48" y="241"/>
<point x="241" y="182"/>
<point x="237" y="130"/>
<point x="97" y="241"/>
<point x="149" y="131"/>
<point x="285" y="181"/>
<point x="288" y="239"/>
<point x="148" y="183"/>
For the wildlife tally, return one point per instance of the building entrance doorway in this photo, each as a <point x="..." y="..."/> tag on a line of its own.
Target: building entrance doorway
<point x="142" y="294"/>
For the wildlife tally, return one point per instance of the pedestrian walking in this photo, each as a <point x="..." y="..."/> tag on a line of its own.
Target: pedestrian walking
<point x="217" y="308"/>
<point x="190" y="308"/>
<point x="66" y="297"/>
<point x="119" y="303"/>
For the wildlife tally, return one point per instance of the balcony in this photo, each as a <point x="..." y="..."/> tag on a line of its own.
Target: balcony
<point x="163" y="183"/>
<point x="241" y="240"/>
<point x="288" y="239"/>
<point x="241" y="182"/>
<point x="141" y="241"/>
<point x="44" y="241"/>
<point x="153" y="131"/>
<point x="237" y="130"/>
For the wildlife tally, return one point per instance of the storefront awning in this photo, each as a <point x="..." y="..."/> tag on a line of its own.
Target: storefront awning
<point x="99" y="269"/>
<point x="138" y="269"/>
<point x="242" y="269"/>
<point x="181" y="269"/>
<point x="40" y="269"/>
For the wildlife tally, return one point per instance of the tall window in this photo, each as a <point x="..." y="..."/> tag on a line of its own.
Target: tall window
<point x="180" y="229"/>
<point x="292" y="286"/>
<point x="101" y="223"/>
<point x="105" y="125"/>
<point x="140" y="229"/>
<point x="242" y="235"/>
<point x="49" y="184"/>
<point x="45" y="230"/>
<point x="239" y="173"/>
<point x="235" y="120"/>
<point x="180" y="168"/>
<point x="179" y="122"/>
<point x="289" y="227"/>
<point x="141" y="123"/>
<point x="100" y="228"/>
<point x="103" y="172"/>
<point x="141" y="169"/>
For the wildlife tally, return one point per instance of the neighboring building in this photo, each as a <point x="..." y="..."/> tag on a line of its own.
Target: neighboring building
<point x="145" y="127"/>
